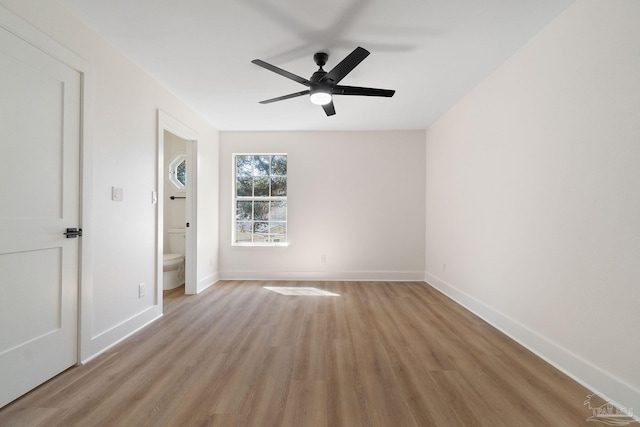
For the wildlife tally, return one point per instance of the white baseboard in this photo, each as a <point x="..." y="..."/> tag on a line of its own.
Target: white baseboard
<point x="113" y="336"/>
<point x="207" y="281"/>
<point x="594" y="378"/>
<point x="373" y="276"/>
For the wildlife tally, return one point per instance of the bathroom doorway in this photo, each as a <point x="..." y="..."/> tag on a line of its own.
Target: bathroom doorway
<point x="177" y="178"/>
<point x="175" y="211"/>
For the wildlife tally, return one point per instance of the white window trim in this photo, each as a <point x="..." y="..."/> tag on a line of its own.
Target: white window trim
<point x="234" y="200"/>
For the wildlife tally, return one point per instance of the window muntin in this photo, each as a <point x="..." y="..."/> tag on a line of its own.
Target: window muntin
<point x="260" y="199"/>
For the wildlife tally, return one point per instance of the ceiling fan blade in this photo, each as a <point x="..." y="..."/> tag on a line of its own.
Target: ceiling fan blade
<point x="329" y="109"/>
<point x="282" y="72"/>
<point x="281" y="98"/>
<point x="346" y="65"/>
<point x="362" y="91"/>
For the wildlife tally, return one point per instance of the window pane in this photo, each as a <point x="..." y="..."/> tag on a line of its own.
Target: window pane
<point x="243" y="211"/>
<point x="261" y="210"/>
<point x="243" y="186"/>
<point x="260" y="227"/>
<point x="243" y="232"/>
<point x="278" y="187"/>
<point x="278" y="211"/>
<point x="261" y="187"/>
<point x="279" y="165"/>
<point x="260" y="231"/>
<point x="261" y="165"/>
<point x="278" y="228"/>
<point x="244" y="165"/>
<point x="181" y="173"/>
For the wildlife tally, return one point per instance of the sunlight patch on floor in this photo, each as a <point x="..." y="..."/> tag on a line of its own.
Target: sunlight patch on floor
<point x="284" y="290"/>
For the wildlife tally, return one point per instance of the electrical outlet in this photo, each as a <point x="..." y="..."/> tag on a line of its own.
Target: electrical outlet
<point x="140" y="290"/>
<point x="444" y="267"/>
<point x="323" y="259"/>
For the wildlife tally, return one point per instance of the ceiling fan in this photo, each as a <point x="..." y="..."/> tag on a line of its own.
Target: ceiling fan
<point x="323" y="85"/>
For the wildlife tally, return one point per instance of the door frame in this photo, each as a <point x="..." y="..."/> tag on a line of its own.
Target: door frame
<point x="179" y="129"/>
<point x="31" y="35"/>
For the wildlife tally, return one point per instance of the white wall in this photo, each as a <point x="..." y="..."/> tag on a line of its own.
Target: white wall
<point x="207" y="200"/>
<point x="124" y="154"/>
<point x="356" y="197"/>
<point x="533" y="201"/>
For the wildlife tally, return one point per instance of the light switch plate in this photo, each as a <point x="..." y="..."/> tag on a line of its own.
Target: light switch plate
<point x="117" y="194"/>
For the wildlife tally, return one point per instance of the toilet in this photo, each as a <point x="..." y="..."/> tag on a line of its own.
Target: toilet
<point x="173" y="259"/>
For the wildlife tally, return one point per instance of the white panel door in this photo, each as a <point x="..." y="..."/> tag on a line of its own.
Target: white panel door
<point x="39" y="199"/>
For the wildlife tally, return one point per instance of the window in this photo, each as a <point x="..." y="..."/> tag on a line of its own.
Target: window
<point x="260" y="199"/>
<point x="178" y="172"/>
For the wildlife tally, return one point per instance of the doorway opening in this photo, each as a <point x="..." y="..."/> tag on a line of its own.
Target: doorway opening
<point x="177" y="184"/>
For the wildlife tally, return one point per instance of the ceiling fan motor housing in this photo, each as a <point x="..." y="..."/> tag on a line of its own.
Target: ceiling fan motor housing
<point x="316" y="80"/>
<point x="317" y="76"/>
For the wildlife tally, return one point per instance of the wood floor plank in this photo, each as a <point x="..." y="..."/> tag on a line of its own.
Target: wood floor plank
<point x="306" y="404"/>
<point x="385" y="403"/>
<point x="513" y="408"/>
<point x="427" y="403"/>
<point x="379" y="354"/>
<point x="346" y="400"/>
<point x="265" y="405"/>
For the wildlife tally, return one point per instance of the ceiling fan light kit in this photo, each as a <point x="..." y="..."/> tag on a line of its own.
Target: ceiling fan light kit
<point x="323" y="85"/>
<point x="320" y="98"/>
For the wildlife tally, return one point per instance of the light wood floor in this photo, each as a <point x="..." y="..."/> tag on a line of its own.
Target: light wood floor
<point x="380" y="354"/>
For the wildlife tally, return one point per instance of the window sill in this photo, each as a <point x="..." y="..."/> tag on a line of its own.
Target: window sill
<point x="261" y="244"/>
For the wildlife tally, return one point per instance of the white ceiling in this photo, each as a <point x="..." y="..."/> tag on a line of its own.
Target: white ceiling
<point x="431" y="52"/>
